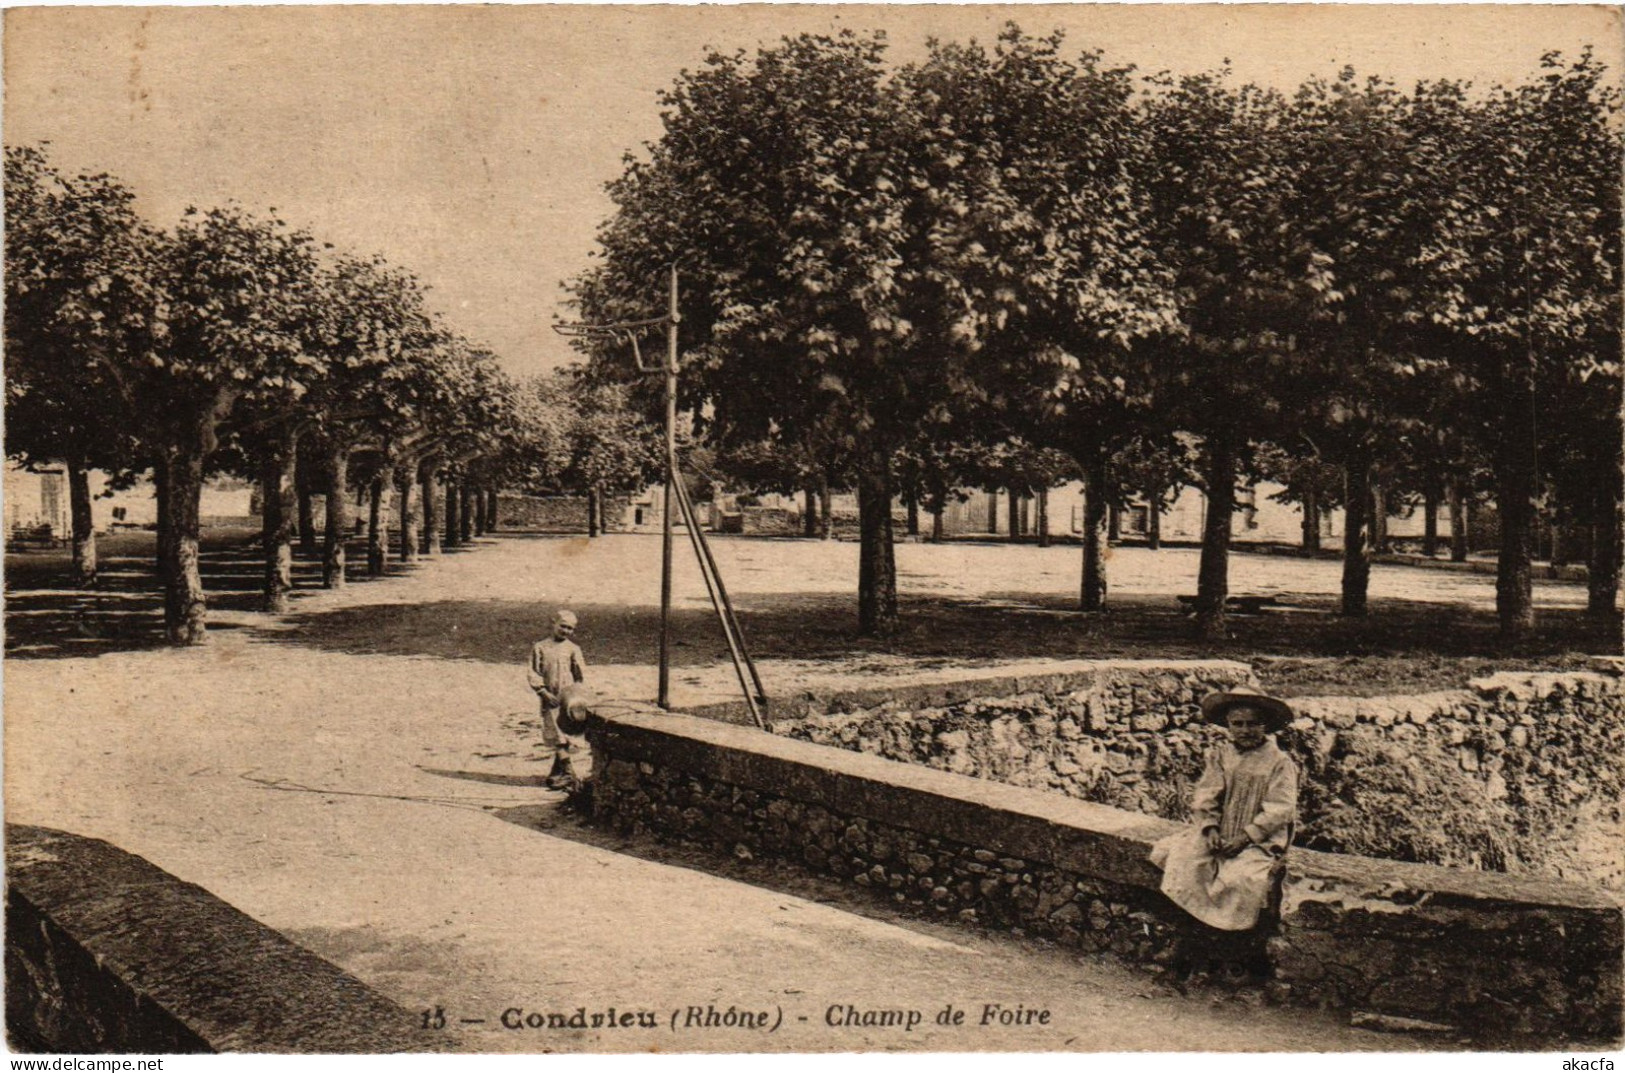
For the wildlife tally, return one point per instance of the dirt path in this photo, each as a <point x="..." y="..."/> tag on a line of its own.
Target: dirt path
<point x="372" y="797"/>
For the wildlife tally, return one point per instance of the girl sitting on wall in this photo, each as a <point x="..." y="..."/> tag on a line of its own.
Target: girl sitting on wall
<point x="1220" y="869"/>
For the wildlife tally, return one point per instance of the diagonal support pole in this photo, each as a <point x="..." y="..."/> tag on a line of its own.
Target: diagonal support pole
<point x="755" y="701"/>
<point x="677" y="496"/>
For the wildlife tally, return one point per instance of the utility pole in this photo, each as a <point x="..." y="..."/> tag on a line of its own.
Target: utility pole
<point x="676" y="497"/>
<point x="663" y="697"/>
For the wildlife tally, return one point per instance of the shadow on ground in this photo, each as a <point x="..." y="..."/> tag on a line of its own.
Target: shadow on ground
<point x="1305" y="647"/>
<point x="47" y="618"/>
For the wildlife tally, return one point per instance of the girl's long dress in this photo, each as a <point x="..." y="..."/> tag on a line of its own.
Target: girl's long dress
<point x="1253" y="792"/>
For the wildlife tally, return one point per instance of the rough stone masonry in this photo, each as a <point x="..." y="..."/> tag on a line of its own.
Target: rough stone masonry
<point x="1487" y="953"/>
<point x="1517" y="772"/>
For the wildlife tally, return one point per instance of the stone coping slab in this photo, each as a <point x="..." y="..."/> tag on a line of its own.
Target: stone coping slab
<point x="1021" y="822"/>
<point x="113" y="953"/>
<point x="959" y="684"/>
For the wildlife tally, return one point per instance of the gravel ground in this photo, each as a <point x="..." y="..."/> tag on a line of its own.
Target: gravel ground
<point x="359" y="776"/>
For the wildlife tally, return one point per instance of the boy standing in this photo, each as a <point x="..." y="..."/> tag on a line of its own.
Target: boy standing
<point x="556" y="667"/>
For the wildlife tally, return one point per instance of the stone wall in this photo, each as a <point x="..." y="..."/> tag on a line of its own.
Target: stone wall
<point x="769" y="521"/>
<point x="1521" y="772"/>
<point x="1126" y="733"/>
<point x="1487" y="954"/>
<point x="106" y="953"/>
<point x="555" y="514"/>
<point x="1518" y="772"/>
<point x="1504" y="955"/>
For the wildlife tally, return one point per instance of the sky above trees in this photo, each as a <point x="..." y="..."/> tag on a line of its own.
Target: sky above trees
<point x="471" y="144"/>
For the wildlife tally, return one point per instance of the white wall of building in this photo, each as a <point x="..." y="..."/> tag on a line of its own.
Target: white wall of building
<point x="33" y="499"/>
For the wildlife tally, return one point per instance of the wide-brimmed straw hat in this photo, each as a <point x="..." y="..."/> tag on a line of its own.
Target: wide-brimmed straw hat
<point x="575" y="704"/>
<point x="1277" y="713"/>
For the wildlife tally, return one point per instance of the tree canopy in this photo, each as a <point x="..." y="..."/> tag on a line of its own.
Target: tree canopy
<point x="1350" y="286"/>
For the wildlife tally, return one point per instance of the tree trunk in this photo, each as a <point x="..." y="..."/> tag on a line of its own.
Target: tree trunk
<point x="1458" y="522"/>
<point x="1014" y="510"/>
<point x="337" y="523"/>
<point x="405" y="477"/>
<point x="877" y="564"/>
<point x="1357" y="500"/>
<point x="1516" y="481"/>
<point x="936" y="525"/>
<point x="1603" y="564"/>
<point x="1430" y="522"/>
<point x="1096" y="530"/>
<point x="491" y="500"/>
<point x="83" y="525"/>
<point x="809" y="511"/>
<point x="478" y="492"/>
<point x="455" y="495"/>
<point x="1114" y="524"/>
<point x="992" y="512"/>
<point x="160" y="495"/>
<point x="1379" y="518"/>
<point x="826" y="522"/>
<point x="185" y="607"/>
<point x="1311" y="520"/>
<point x="1213" y="573"/>
<point x="431" y="510"/>
<point x="279" y="507"/>
<point x="592" y="512"/>
<point x="378" y="523"/>
<point x="1043" y="517"/>
<point x="1380" y="539"/>
<point x="465" y="516"/>
<point x="307" y="513"/>
<point x="912" y="502"/>
<point x="1153" y="522"/>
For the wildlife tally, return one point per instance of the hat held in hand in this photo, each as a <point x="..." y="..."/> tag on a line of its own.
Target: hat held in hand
<point x="575" y="704"/>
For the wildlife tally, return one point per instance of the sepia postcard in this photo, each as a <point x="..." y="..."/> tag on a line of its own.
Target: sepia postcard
<point x="1064" y="530"/>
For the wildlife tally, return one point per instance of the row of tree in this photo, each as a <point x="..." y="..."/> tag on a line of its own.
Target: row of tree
<point x="233" y="343"/>
<point x="1006" y="256"/>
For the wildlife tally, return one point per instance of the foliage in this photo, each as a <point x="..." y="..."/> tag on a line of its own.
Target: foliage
<point x="1381" y="799"/>
<point x="80" y="289"/>
<point x="1523" y="261"/>
<point x="129" y="347"/>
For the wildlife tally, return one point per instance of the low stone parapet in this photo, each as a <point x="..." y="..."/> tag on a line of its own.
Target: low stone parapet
<point x="1358" y="933"/>
<point x="1518" y="771"/>
<point x="1511" y="954"/>
<point x="107" y="953"/>
<point x="556" y="514"/>
<point x="1102" y="692"/>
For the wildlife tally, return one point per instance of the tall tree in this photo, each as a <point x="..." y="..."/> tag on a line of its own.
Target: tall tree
<point x="1033" y="155"/>
<point x="612" y="447"/>
<point x="807" y="301"/>
<point x="1154" y="467"/>
<point x="1524" y="259"/>
<point x="81" y="294"/>
<point x="1306" y="479"/>
<point x="239" y="295"/>
<point x="1219" y="182"/>
<point x="376" y="329"/>
<point x="1351" y="204"/>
